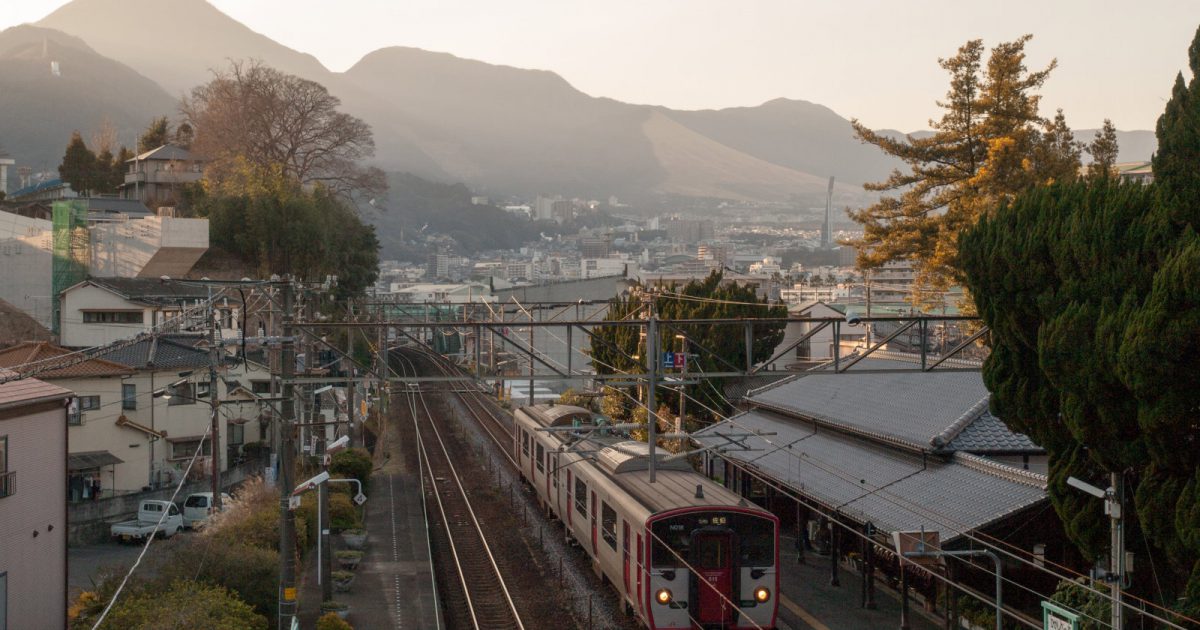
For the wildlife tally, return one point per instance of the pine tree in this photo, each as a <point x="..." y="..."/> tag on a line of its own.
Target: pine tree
<point x="1103" y="150"/>
<point x="988" y="146"/>
<point x="78" y="167"/>
<point x="1058" y="154"/>
<point x="156" y="135"/>
<point x="119" y="166"/>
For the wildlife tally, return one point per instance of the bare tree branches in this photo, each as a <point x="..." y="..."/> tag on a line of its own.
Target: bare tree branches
<point x="277" y="122"/>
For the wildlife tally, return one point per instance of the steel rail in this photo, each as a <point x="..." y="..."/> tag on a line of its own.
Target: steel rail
<point x="476" y="612"/>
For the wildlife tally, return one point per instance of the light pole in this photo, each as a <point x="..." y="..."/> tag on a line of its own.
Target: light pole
<point x="1116" y="570"/>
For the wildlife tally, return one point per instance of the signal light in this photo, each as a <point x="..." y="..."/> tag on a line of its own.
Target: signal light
<point x="663" y="596"/>
<point x="762" y="594"/>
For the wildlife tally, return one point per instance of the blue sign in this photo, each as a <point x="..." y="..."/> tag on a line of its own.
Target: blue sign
<point x="668" y="359"/>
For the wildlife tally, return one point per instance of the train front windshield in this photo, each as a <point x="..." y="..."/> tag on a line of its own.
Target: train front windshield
<point x="676" y="541"/>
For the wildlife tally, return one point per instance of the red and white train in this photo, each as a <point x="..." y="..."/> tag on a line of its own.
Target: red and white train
<point x="683" y="552"/>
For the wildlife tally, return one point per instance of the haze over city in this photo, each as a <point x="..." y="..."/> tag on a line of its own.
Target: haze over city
<point x="639" y="314"/>
<point x="871" y="59"/>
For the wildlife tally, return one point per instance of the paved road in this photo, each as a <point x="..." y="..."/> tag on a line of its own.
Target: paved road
<point x="84" y="564"/>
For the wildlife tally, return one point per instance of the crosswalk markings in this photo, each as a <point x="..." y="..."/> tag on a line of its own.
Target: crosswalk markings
<point x="803" y="614"/>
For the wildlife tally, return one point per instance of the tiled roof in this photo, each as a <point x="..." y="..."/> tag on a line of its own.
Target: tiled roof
<point x="987" y="434"/>
<point x="44" y="358"/>
<point x="28" y="391"/>
<point x="910" y="409"/>
<point x="169" y="352"/>
<point x="894" y="489"/>
<point x="152" y="290"/>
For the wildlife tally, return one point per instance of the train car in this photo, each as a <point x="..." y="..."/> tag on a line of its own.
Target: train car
<point x="683" y="552"/>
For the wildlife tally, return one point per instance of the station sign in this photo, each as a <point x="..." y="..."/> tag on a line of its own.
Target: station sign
<point x="677" y="360"/>
<point x="1055" y="617"/>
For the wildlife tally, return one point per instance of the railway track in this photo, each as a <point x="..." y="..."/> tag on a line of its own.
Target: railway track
<point x="499" y="429"/>
<point x="482" y="599"/>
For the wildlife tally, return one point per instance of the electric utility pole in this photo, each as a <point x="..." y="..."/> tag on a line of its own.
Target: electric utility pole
<point x="652" y="372"/>
<point x="214" y="355"/>
<point x="351" y="429"/>
<point x="1113" y="505"/>
<point x="287" y="454"/>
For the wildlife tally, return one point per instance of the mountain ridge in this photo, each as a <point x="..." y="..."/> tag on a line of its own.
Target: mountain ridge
<point x="507" y="130"/>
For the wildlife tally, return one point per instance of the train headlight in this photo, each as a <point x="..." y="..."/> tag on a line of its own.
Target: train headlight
<point x="762" y="594"/>
<point x="663" y="596"/>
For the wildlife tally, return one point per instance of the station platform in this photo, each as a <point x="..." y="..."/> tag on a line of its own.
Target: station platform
<point x="394" y="587"/>
<point x="809" y="602"/>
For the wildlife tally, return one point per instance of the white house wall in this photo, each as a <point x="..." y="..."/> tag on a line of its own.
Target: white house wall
<point x="99" y="431"/>
<point x="76" y="334"/>
<point x="34" y="518"/>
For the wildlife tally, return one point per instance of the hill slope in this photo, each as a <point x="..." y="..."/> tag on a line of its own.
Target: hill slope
<point x="41" y="108"/>
<point x="505" y="130"/>
<point x="195" y="37"/>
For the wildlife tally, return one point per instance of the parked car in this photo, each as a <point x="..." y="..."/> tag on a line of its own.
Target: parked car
<point x="150" y="521"/>
<point x="198" y="507"/>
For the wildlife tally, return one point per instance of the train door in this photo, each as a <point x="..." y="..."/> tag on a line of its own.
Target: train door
<point x="625" y="552"/>
<point x="557" y="488"/>
<point x="570" y="507"/>
<point x="592" y="514"/>
<point x="712" y="555"/>
<point x="641" y="568"/>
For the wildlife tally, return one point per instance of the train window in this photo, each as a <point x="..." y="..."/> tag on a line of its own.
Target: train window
<point x="608" y="519"/>
<point x="581" y="497"/>
<point x="541" y="458"/>
<point x="756" y="544"/>
<point x="524" y="442"/>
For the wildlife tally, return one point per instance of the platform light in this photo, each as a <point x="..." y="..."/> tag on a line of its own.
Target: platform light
<point x="663" y="596"/>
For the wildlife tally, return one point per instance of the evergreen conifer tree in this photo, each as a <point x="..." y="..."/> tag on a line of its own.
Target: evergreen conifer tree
<point x="1103" y="150"/>
<point x="78" y="167"/>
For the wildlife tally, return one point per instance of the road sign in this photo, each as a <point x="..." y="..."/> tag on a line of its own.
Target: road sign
<point x="293" y="501"/>
<point x="1056" y="617"/>
<point x="668" y="359"/>
<point x="360" y="498"/>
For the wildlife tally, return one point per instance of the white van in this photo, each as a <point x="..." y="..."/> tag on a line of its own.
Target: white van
<point x="198" y="507"/>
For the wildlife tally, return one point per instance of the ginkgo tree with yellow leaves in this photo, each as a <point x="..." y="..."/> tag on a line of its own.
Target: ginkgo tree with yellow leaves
<point x="990" y="144"/>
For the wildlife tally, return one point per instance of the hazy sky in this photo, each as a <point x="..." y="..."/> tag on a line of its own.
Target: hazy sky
<point x="871" y="59"/>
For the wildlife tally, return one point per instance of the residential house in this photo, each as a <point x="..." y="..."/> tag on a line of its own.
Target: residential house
<point x="108" y="452"/>
<point x="157" y="177"/>
<point x="140" y="411"/>
<point x="99" y="311"/>
<point x="33" y="510"/>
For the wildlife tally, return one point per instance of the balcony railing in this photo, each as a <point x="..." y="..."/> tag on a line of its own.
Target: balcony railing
<point x="8" y="483"/>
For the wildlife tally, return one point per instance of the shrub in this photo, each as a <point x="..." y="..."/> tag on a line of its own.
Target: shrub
<point x="343" y="514"/>
<point x="330" y="621"/>
<point x="352" y="463"/>
<point x="250" y="572"/>
<point x="186" y="604"/>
